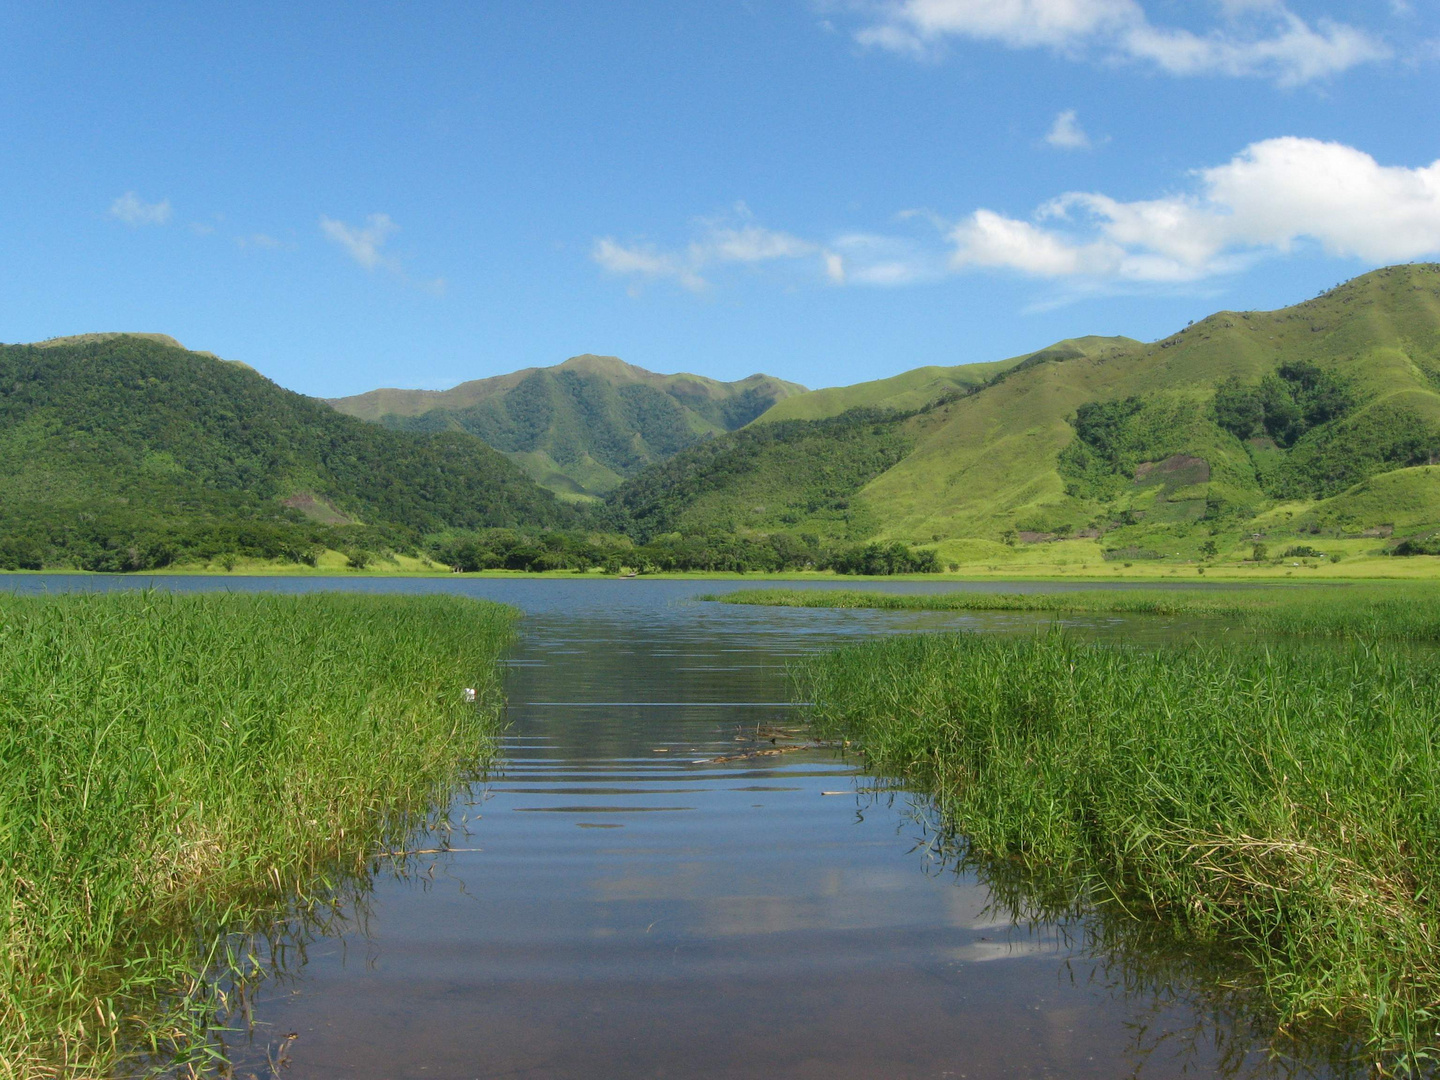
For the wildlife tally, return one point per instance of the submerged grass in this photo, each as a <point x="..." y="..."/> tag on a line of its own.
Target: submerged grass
<point x="1282" y="801"/>
<point x="1409" y="611"/>
<point x="176" y="769"/>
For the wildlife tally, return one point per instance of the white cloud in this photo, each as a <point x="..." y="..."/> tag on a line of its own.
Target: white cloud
<point x="1254" y="38"/>
<point x="133" y="210"/>
<point x="362" y="243"/>
<point x="1294" y="53"/>
<point x="1067" y="134"/>
<point x="988" y="239"/>
<point x="1268" y="199"/>
<point x="887" y="261"/>
<point x="1059" y="24"/>
<point x="1274" y="197"/>
<point x="644" y="261"/>
<point x="751" y="244"/>
<point x="366" y="245"/>
<point x="720" y="241"/>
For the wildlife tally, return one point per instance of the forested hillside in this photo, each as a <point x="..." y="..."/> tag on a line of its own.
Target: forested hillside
<point x="580" y="427"/>
<point x="1243" y="427"/>
<point x="769" y="477"/>
<point x="1308" y="432"/>
<point x="124" y="452"/>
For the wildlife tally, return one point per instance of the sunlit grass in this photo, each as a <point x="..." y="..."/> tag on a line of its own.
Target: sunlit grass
<point x="1282" y="800"/>
<point x="1409" y="611"/>
<point x="174" y="769"/>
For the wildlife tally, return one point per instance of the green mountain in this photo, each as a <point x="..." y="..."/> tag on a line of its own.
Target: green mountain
<point x="583" y="426"/>
<point x="921" y="386"/>
<point x="1322" y="416"/>
<point x="123" y="451"/>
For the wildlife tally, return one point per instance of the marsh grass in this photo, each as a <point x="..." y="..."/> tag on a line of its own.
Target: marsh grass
<point x="1397" y="611"/>
<point x="1155" y="964"/>
<point x="179" y="773"/>
<point x="1282" y="803"/>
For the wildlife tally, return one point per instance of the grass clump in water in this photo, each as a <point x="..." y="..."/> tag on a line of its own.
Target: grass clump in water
<point x="174" y="769"/>
<point x="1284" y="801"/>
<point x="1409" y="611"/>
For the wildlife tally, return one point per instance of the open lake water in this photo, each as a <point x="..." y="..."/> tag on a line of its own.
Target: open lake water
<point x="637" y="893"/>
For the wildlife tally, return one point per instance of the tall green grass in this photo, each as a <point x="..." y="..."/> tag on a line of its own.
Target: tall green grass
<point x="1402" y="611"/>
<point x="1283" y="802"/>
<point x="177" y="769"/>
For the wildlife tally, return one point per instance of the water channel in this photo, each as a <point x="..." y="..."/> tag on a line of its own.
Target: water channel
<point x="637" y="893"/>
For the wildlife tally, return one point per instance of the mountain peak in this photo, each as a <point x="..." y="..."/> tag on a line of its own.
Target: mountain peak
<point x="611" y="366"/>
<point x="582" y="426"/>
<point x="92" y="339"/>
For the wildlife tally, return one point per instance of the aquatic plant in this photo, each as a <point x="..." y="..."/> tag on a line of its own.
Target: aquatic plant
<point x="179" y="770"/>
<point x="1282" y="801"/>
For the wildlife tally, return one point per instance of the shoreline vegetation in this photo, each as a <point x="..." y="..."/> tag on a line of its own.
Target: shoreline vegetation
<point x="1372" y="610"/>
<point x="1262" y="794"/>
<point x="181" y="775"/>
<point x="337" y="565"/>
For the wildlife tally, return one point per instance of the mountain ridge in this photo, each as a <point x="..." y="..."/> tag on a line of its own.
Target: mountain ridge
<point x="582" y="426"/>
<point x="1118" y="442"/>
<point x="923" y="385"/>
<point x="1319" y="420"/>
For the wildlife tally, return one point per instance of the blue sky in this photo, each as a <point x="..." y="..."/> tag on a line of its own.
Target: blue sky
<point x="347" y="197"/>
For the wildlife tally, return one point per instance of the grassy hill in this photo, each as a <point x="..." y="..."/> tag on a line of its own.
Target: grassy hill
<point x="127" y="451"/>
<point x="1322" y="418"/>
<point x="583" y="426"/>
<point x="922" y="386"/>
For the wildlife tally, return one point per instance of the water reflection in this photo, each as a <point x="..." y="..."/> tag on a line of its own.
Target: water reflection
<point x="1190" y="1002"/>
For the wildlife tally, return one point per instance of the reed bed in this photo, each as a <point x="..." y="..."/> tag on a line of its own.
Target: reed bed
<point x="1283" y="802"/>
<point x="1396" y="611"/>
<point x="177" y="769"/>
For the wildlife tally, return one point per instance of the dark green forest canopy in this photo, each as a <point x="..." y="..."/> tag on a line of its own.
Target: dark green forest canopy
<point x="767" y="477"/>
<point x="583" y="426"/>
<point x="127" y="445"/>
<point x="1298" y="426"/>
<point x="567" y="415"/>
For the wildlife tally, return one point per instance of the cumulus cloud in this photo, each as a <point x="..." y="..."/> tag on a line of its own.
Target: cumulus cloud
<point x="1275" y="197"/>
<point x="135" y="211"/>
<point x="734" y="240"/>
<point x="1067" y="134"/>
<point x="1269" y="198"/>
<point x="363" y="243"/>
<point x="1253" y="38"/>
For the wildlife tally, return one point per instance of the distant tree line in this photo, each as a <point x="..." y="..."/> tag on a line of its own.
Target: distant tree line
<point x="118" y="541"/>
<point x="508" y="549"/>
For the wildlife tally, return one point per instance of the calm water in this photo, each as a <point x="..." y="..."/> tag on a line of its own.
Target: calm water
<point x="639" y="894"/>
